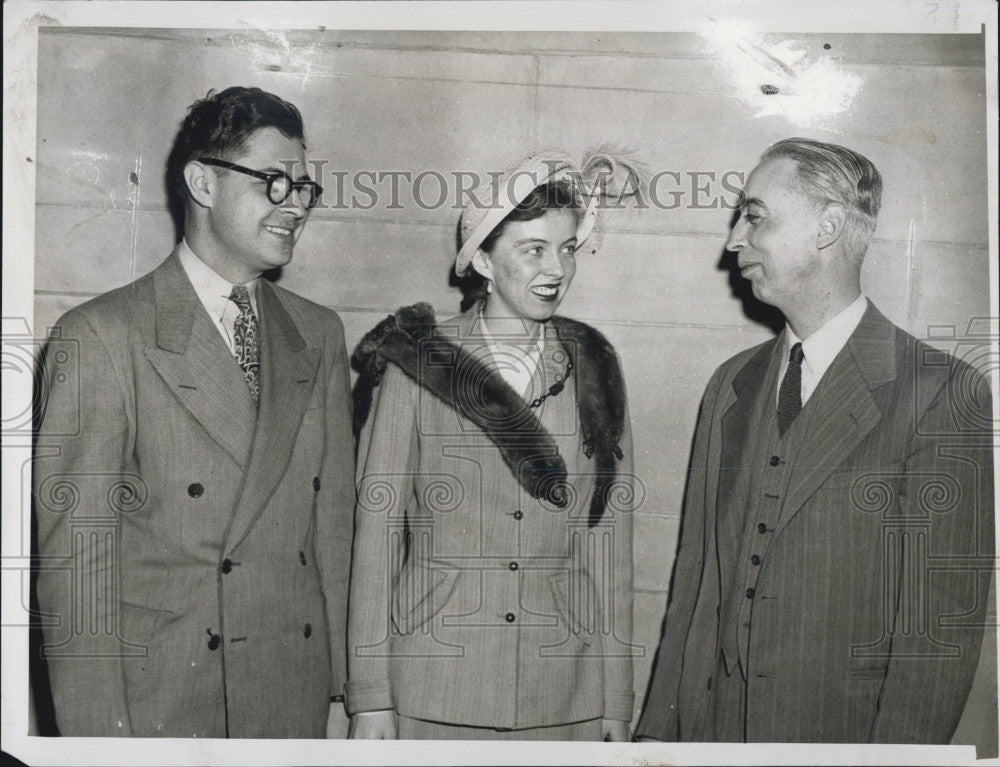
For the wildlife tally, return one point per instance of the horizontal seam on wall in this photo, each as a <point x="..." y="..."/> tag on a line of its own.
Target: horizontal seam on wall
<point x="384" y="310"/>
<point x="450" y="226"/>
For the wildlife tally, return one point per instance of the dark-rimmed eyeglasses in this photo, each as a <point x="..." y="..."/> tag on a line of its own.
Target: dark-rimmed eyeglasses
<point x="279" y="185"/>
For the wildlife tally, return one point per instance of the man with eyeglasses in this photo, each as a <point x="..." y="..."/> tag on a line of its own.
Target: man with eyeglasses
<point x="197" y="583"/>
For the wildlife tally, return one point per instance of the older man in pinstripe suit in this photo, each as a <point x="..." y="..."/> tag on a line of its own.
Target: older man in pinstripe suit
<point x="837" y="540"/>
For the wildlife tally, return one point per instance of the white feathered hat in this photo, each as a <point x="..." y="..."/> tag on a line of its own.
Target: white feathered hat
<point x="593" y="181"/>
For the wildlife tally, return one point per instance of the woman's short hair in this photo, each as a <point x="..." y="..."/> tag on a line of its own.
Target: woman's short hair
<point x="551" y="195"/>
<point x="830" y="173"/>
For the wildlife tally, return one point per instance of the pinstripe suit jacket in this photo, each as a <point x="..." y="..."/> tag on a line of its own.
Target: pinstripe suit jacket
<point x="472" y="602"/>
<point x="866" y="624"/>
<point x="194" y="553"/>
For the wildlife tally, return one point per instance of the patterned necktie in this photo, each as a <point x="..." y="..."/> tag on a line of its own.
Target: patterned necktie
<point x="790" y="393"/>
<point x="246" y="339"/>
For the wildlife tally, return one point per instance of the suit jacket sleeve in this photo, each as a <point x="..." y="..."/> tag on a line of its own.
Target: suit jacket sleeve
<point x="660" y="718"/>
<point x="387" y="460"/>
<point x="948" y="479"/>
<point x="618" y="684"/>
<point x="80" y="466"/>
<point x="335" y="505"/>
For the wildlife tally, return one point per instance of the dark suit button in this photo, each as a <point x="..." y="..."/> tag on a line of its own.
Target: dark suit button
<point x="512" y="566"/>
<point x="754" y="560"/>
<point x="761" y="528"/>
<point x="195" y="490"/>
<point x="751" y="592"/>
<point x="509" y="617"/>
<point x="316" y="484"/>
<point x="775" y="460"/>
<point x="214" y="641"/>
<point x="307" y="631"/>
<point x="227" y="566"/>
<point x="302" y="557"/>
<point x="518" y="515"/>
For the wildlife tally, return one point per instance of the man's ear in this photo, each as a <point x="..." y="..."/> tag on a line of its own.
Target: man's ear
<point x="832" y="220"/>
<point x="481" y="263"/>
<point x="200" y="183"/>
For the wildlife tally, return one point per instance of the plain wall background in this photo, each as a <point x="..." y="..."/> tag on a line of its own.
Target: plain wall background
<point x="110" y="102"/>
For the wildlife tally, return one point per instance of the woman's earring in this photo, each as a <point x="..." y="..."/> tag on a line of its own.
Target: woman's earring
<point x="489" y="286"/>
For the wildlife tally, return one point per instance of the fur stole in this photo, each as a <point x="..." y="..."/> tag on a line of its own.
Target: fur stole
<point x="530" y="452"/>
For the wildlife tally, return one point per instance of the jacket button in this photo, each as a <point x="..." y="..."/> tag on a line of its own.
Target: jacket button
<point x="195" y="489"/>
<point x="750" y="592"/>
<point x="307" y="630"/>
<point x="302" y="557"/>
<point x="509" y="617"/>
<point x="512" y="566"/>
<point x="316" y="484"/>
<point x="518" y="515"/>
<point x="761" y="528"/>
<point x="227" y="566"/>
<point x="775" y="460"/>
<point x="754" y="560"/>
<point x="214" y="641"/>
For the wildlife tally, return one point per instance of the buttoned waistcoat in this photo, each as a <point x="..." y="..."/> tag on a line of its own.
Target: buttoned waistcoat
<point x="869" y="597"/>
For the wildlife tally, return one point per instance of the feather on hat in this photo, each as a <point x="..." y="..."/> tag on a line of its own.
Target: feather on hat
<point x="604" y="173"/>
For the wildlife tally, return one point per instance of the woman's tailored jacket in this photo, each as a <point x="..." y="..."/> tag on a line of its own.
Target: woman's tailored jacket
<point x="471" y="601"/>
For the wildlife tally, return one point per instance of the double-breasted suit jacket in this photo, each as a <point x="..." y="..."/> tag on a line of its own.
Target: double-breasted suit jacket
<point x="473" y="602"/>
<point x="866" y="590"/>
<point x="194" y="549"/>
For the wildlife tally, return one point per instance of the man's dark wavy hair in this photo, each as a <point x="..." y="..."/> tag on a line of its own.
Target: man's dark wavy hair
<point x="220" y="125"/>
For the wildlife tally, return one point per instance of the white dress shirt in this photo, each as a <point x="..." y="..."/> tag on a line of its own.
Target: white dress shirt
<point x="823" y="346"/>
<point x="213" y="292"/>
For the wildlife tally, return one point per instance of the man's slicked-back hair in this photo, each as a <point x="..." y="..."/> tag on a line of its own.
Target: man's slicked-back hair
<point x="220" y="125"/>
<point x="830" y="173"/>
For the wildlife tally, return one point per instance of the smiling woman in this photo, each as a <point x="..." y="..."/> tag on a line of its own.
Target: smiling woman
<point x="491" y="592"/>
<point x="529" y="261"/>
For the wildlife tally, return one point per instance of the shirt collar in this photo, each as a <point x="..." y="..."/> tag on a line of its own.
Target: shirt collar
<point x="212" y="289"/>
<point x="825" y="344"/>
<point x="484" y="331"/>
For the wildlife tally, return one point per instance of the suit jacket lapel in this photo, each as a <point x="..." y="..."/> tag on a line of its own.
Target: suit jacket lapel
<point x="191" y="356"/>
<point x="288" y="373"/>
<point x="748" y="387"/>
<point x="844" y="409"/>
